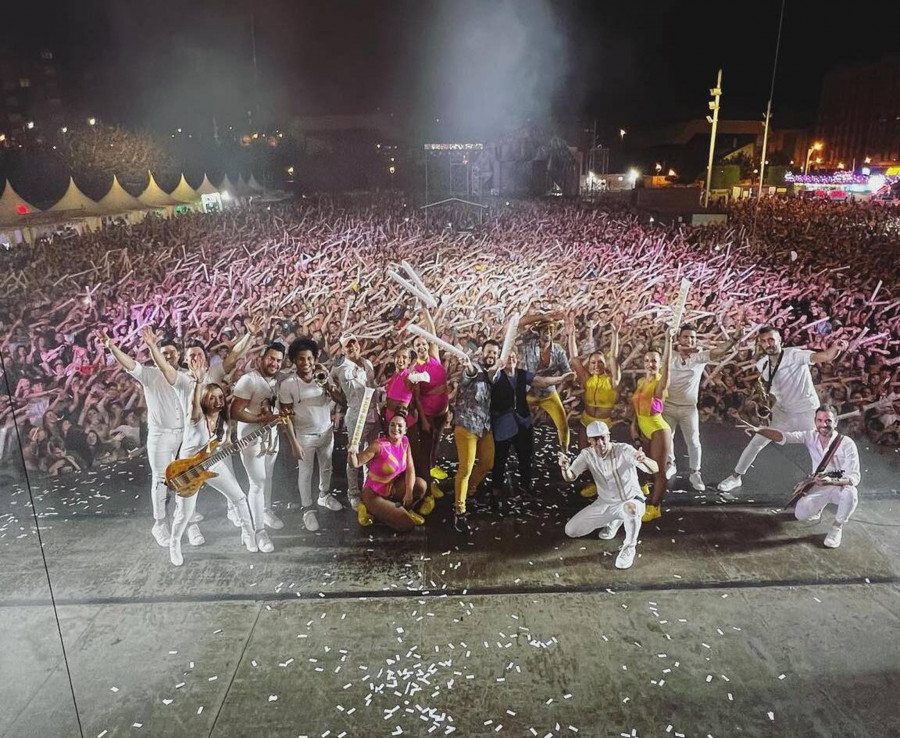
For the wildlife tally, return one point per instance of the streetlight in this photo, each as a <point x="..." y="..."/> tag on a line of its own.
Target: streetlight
<point x="64" y="129"/>
<point x="29" y="125"/>
<point x="622" y="133"/>
<point x="817" y="146"/>
<point x="92" y="121"/>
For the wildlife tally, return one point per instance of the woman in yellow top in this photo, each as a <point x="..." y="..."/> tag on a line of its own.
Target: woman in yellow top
<point x="649" y="425"/>
<point x="600" y="382"/>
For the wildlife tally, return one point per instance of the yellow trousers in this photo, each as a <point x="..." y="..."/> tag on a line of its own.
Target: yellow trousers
<point x="553" y="406"/>
<point x="468" y="448"/>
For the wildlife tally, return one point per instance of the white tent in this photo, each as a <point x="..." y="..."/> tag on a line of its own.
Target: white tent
<point x="185" y="192"/>
<point x="242" y="189"/>
<point x="153" y="196"/>
<point x="12" y="205"/>
<point x="206" y="187"/>
<point x="118" y="202"/>
<point x="76" y="203"/>
<point x="254" y="185"/>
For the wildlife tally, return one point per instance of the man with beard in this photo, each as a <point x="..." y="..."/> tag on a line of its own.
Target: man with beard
<point x="835" y="476"/>
<point x="472" y="431"/>
<point x="784" y="373"/>
<point x="541" y="357"/>
<point x="354" y="375"/>
<point x="255" y="404"/>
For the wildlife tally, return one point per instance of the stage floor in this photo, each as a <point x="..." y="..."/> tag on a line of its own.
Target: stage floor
<point x="734" y="620"/>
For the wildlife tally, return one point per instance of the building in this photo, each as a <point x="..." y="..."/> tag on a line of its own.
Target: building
<point x="859" y="115"/>
<point x="30" y="96"/>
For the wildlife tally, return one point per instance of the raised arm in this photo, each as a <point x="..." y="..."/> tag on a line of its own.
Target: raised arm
<point x="197" y="370"/>
<point x="151" y="338"/>
<point x="124" y="359"/>
<point x="532" y="318"/>
<point x="580" y="371"/>
<point x="664" y="376"/>
<point x="831" y="353"/>
<point x="429" y="326"/>
<point x="724" y="348"/>
<point x="615" y="371"/>
<point x="230" y="361"/>
<point x="549" y="381"/>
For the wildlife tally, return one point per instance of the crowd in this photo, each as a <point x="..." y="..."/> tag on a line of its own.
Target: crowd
<point x="818" y="271"/>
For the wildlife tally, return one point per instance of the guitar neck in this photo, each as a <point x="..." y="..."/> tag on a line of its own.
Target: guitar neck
<point x="230" y="448"/>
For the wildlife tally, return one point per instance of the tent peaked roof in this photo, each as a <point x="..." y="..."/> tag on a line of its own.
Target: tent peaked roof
<point x="184" y="191"/>
<point x="226" y="185"/>
<point x="75" y="199"/>
<point x="117" y="200"/>
<point x="154" y="196"/>
<point x="206" y="187"/>
<point x="254" y="185"/>
<point x="11" y="203"/>
<point x="242" y="189"/>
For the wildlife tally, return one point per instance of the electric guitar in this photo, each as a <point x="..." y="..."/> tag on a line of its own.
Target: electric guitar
<point x="807" y="483"/>
<point x="185" y="476"/>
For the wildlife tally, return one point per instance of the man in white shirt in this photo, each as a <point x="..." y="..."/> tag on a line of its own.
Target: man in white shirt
<point x="308" y="394"/>
<point x="837" y="483"/>
<point x="619" y="497"/>
<point x="255" y="403"/>
<point x="685" y="373"/>
<point x="354" y="375"/>
<point x="165" y="422"/>
<point x="785" y="374"/>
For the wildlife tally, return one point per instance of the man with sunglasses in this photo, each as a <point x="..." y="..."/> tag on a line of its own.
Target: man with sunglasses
<point x="613" y="467"/>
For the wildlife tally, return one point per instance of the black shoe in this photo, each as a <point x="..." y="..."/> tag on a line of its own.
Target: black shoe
<point x="461" y="523"/>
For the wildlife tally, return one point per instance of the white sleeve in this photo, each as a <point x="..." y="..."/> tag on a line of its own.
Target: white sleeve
<point x="793" y="436"/>
<point x="851" y="459"/>
<point x="579" y="466"/>
<point x="286" y="393"/>
<point x="803" y="356"/>
<point x="243" y="389"/>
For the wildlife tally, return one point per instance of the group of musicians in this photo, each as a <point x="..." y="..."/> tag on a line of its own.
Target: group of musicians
<point x="198" y="417"/>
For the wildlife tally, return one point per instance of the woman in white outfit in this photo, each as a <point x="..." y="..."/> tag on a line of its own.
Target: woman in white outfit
<point x="205" y="423"/>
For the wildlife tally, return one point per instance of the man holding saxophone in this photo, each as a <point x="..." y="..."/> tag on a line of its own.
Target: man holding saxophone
<point x="784" y="373"/>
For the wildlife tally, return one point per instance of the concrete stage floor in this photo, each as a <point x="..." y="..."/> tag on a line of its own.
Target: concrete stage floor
<point x="734" y="620"/>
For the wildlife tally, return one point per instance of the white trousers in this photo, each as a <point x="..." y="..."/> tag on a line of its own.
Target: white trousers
<point x="600" y="513"/>
<point x="814" y="501"/>
<point x="688" y="419"/>
<point x="259" y="467"/>
<point x="225" y="483"/>
<point x="780" y="421"/>
<point x="316" y="447"/>
<point x="162" y="449"/>
<point x="370" y="433"/>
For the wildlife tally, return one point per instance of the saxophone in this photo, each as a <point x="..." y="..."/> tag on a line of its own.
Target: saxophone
<point x="761" y="400"/>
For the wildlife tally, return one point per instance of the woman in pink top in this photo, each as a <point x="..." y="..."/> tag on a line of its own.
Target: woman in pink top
<point x="399" y="390"/>
<point x="391" y="487"/>
<point x="432" y="402"/>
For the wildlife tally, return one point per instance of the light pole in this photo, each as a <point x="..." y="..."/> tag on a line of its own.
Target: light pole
<point x="762" y="160"/>
<point x="817" y="146"/>
<point x="716" y="92"/>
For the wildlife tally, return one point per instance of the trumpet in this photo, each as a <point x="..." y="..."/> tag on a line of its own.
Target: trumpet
<point x="321" y="377"/>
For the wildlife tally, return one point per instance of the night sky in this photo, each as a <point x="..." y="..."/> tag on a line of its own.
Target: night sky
<point x="480" y="66"/>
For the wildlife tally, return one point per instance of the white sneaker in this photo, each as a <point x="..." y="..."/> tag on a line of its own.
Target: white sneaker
<point x="272" y="520"/>
<point x="671" y="471"/>
<point x="815" y="518"/>
<point x="263" y="542"/>
<point x="732" y="481"/>
<point x="233" y="516"/>
<point x="196" y="518"/>
<point x="175" y="553"/>
<point x="195" y="537"/>
<point x="311" y="521"/>
<point x="608" y="532"/>
<point x="697" y="481"/>
<point x="626" y="557"/>
<point x="833" y="539"/>
<point x="354" y="501"/>
<point x="329" y="501"/>
<point x="248" y="539"/>
<point x="160" y="531"/>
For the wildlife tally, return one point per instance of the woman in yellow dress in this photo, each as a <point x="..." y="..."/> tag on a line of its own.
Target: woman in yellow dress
<point x="600" y="382"/>
<point x="648" y="424"/>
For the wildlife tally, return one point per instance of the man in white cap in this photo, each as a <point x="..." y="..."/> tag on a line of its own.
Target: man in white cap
<point x="354" y="375"/>
<point x="613" y="467"/>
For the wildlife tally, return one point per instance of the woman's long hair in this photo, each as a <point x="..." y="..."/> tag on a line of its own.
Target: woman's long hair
<point x="219" y="431"/>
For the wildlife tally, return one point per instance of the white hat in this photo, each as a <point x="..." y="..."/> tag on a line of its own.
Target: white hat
<point x="346" y="338"/>
<point x="597" y="428"/>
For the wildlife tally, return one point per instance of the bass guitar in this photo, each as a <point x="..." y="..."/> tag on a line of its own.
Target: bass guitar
<point x="185" y="476"/>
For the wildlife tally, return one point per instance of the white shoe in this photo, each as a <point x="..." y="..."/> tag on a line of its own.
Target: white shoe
<point x="263" y="542"/>
<point x="175" y="553"/>
<point x="196" y="518"/>
<point x="272" y="520"/>
<point x="354" y="501"/>
<point x="833" y="539"/>
<point x="160" y="531"/>
<point x="608" y="532"/>
<point x="233" y="516"/>
<point x="815" y="518"/>
<point x="697" y="481"/>
<point x="311" y="521"/>
<point x="671" y="471"/>
<point x="195" y="537"/>
<point x="329" y="501"/>
<point x="626" y="557"/>
<point x="248" y="539"/>
<point x="732" y="481"/>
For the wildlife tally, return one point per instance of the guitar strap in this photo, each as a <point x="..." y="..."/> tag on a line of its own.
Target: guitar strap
<point x="829" y="455"/>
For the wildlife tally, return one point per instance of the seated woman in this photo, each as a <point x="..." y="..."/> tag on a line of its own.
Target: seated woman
<point x="648" y="424"/>
<point x="392" y="488"/>
<point x="206" y="422"/>
<point x="600" y="381"/>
